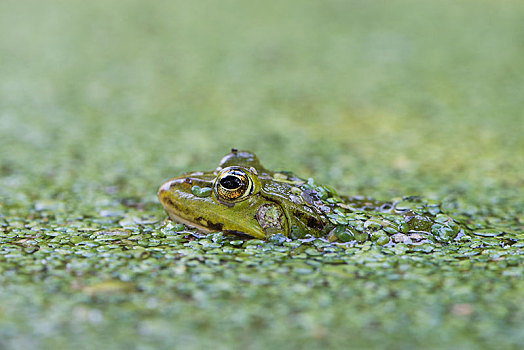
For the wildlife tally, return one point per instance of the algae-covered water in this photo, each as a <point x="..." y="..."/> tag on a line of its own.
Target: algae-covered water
<point x="102" y="101"/>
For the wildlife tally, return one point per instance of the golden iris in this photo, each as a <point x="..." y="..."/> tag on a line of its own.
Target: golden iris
<point x="233" y="184"/>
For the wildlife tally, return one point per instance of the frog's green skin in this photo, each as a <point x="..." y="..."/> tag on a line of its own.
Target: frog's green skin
<point x="280" y="202"/>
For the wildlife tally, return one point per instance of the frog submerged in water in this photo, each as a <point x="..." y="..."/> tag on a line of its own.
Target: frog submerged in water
<point x="243" y="198"/>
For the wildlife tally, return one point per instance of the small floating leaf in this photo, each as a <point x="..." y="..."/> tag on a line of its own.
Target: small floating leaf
<point x="488" y="232"/>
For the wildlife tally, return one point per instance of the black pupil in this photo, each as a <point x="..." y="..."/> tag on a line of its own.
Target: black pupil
<point x="230" y="182"/>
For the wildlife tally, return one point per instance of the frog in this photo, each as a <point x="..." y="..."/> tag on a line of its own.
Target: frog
<point x="244" y="199"/>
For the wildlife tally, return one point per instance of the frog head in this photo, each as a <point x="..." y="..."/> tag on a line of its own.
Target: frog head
<point x="242" y="198"/>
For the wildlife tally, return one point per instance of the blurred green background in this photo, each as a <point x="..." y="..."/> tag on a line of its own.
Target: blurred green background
<point x="102" y="101"/>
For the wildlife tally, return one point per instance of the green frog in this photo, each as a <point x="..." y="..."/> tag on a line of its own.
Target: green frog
<point x="242" y="198"/>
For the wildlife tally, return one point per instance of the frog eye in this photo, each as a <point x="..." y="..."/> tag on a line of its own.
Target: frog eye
<point x="233" y="185"/>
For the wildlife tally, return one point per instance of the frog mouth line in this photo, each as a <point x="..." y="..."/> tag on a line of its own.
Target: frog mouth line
<point x="205" y="229"/>
<point x="181" y="220"/>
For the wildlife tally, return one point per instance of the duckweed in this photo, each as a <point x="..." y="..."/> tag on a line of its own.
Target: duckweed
<point x="201" y="192"/>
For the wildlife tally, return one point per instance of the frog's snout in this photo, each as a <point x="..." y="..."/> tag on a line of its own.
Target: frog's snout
<point x="176" y="189"/>
<point x="165" y="193"/>
<point x="182" y="181"/>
